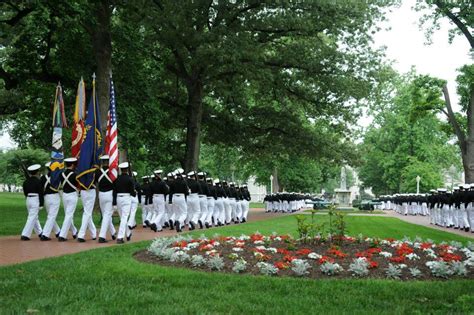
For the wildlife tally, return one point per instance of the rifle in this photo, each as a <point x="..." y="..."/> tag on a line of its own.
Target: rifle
<point x="23" y="166"/>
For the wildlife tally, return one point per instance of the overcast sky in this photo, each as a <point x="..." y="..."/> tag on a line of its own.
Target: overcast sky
<point x="405" y="44"/>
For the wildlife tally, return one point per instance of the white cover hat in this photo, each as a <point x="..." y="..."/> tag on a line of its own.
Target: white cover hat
<point x="158" y="171"/>
<point x="47" y="164"/>
<point x="216" y="181"/>
<point x="191" y="173"/>
<point x="104" y="157"/>
<point x="134" y="173"/>
<point x="179" y="171"/>
<point x="34" y="167"/>
<point x="124" y="165"/>
<point x="70" y="160"/>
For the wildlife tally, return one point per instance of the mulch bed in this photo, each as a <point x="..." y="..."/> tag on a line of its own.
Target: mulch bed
<point x="258" y="248"/>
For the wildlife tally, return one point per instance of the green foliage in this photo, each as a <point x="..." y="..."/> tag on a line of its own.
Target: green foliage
<point x="11" y="172"/>
<point x="405" y="141"/>
<point x="307" y="231"/>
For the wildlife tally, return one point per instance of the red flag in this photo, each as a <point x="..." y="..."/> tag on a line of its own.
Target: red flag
<point x="111" y="146"/>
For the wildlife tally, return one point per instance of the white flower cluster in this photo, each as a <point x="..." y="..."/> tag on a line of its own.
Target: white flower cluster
<point x="300" y="267"/>
<point x="359" y="267"/>
<point x="330" y="269"/>
<point x="314" y="256"/>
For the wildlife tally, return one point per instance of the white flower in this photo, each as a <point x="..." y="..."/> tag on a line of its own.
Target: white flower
<point x="261" y="247"/>
<point x="272" y="249"/>
<point x="412" y="256"/>
<point x="210" y="252"/>
<point x="385" y="254"/>
<point x="314" y="256"/>
<point x="237" y="249"/>
<point x="192" y="245"/>
<point x="259" y="242"/>
<point x="277" y="238"/>
<point x="402" y="266"/>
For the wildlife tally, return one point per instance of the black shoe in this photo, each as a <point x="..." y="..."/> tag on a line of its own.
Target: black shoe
<point x="130" y="237"/>
<point x="200" y="224"/>
<point x="207" y="225"/>
<point x="147" y="223"/>
<point x="236" y="222"/>
<point x="114" y="237"/>
<point x="74" y="236"/>
<point x="144" y="226"/>
<point x="61" y="239"/>
<point x="24" y="238"/>
<point x="45" y="238"/>
<point x="192" y="226"/>
<point x="94" y="238"/>
<point x="171" y="225"/>
<point x="166" y="225"/>
<point x="153" y="227"/>
<point x="178" y="226"/>
<point x="102" y="240"/>
<point x="81" y="240"/>
<point x="243" y="220"/>
<point x="40" y="235"/>
<point x="227" y="223"/>
<point x="130" y="227"/>
<point x="57" y="235"/>
<point x="120" y="241"/>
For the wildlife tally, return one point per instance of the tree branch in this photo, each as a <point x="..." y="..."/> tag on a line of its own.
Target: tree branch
<point x="453" y="121"/>
<point x="18" y="17"/>
<point x="462" y="27"/>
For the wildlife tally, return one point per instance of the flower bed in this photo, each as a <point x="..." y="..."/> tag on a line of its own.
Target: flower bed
<point x="281" y="255"/>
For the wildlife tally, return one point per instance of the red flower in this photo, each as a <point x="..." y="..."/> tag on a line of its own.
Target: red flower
<point x="282" y="265"/>
<point x="372" y="264"/>
<point x="283" y="251"/>
<point x="324" y="259"/>
<point x="397" y="259"/>
<point x="256" y="237"/>
<point x="303" y="251"/>
<point x="448" y="257"/>
<point x="404" y="250"/>
<point x="289" y="258"/>
<point x="181" y="244"/>
<point x="426" y="245"/>
<point x="374" y="250"/>
<point x="337" y="253"/>
<point x="363" y="254"/>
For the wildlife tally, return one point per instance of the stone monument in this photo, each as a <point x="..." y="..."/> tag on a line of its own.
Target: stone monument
<point x="343" y="195"/>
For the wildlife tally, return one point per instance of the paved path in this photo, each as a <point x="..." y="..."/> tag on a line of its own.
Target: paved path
<point x="13" y="251"/>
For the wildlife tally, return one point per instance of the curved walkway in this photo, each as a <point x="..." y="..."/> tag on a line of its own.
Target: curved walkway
<point x="13" y="250"/>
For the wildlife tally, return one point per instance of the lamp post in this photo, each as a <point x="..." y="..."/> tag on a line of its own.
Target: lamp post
<point x="271" y="184"/>
<point x="418" y="178"/>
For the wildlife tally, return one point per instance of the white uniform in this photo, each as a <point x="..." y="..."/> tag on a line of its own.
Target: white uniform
<point x="33" y="205"/>
<point x="106" y="207"/>
<point x="88" y="200"/>
<point x="124" y="204"/>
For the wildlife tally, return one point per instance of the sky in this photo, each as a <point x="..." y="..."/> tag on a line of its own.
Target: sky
<point x="405" y="45"/>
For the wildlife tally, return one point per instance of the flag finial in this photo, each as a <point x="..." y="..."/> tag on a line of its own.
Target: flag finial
<point x="110" y="73"/>
<point x="93" y="76"/>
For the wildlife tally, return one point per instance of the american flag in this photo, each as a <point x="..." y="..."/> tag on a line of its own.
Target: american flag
<point x="111" y="147"/>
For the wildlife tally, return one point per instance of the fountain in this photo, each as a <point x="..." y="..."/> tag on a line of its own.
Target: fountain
<point x="343" y="195"/>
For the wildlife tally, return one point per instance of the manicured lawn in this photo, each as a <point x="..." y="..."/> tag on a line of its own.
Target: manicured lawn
<point x="109" y="280"/>
<point x="13" y="214"/>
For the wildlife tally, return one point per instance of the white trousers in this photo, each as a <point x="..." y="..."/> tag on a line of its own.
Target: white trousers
<point x="105" y="202"/>
<point x="233" y="206"/>
<point x="203" y="206"/>
<point x="194" y="208"/>
<point x="32" y="205"/>
<point x="88" y="200"/>
<point x="144" y="210"/>
<point x="180" y="210"/>
<point x="124" y="204"/>
<point x="159" y="209"/>
<point x="133" y="212"/>
<point x="238" y="210"/>
<point x="210" y="209"/>
<point x="51" y="204"/>
<point x="245" y="210"/>
<point x="69" y="203"/>
<point x="219" y="210"/>
<point x="227" y="210"/>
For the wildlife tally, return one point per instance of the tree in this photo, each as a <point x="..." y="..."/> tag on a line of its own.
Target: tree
<point x="460" y="14"/>
<point x="402" y="142"/>
<point x="13" y="161"/>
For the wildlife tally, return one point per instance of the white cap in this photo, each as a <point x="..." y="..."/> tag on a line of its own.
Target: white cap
<point x="104" y="157"/>
<point x="124" y="165"/>
<point x="165" y="178"/>
<point x="170" y="174"/>
<point x="201" y="174"/>
<point x="47" y="164"/>
<point x="244" y="185"/>
<point x="178" y="171"/>
<point x="191" y="173"/>
<point x="134" y="173"/>
<point x="34" y="167"/>
<point x="70" y="160"/>
<point x="158" y="171"/>
<point x="433" y="190"/>
<point x="145" y="177"/>
<point x="466" y="186"/>
<point x="442" y="190"/>
<point x="216" y="181"/>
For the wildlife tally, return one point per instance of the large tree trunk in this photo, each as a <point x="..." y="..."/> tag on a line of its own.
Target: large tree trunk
<point x="102" y="43"/>
<point x="275" y="183"/>
<point x="193" y="125"/>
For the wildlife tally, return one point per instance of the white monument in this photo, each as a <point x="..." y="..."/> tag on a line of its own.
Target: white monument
<point x="343" y="195"/>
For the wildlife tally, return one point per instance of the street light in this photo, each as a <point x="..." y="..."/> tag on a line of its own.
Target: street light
<point x="418" y="178"/>
<point x="271" y="184"/>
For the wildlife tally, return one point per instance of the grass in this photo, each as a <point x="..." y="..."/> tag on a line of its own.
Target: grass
<point x="109" y="280"/>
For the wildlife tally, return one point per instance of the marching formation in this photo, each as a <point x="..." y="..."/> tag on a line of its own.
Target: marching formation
<point x="174" y="202"/>
<point x="285" y="202"/>
<point x="446" y="209"/>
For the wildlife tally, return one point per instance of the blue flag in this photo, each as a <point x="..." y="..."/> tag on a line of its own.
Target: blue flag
<point x="91" y="147"/>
